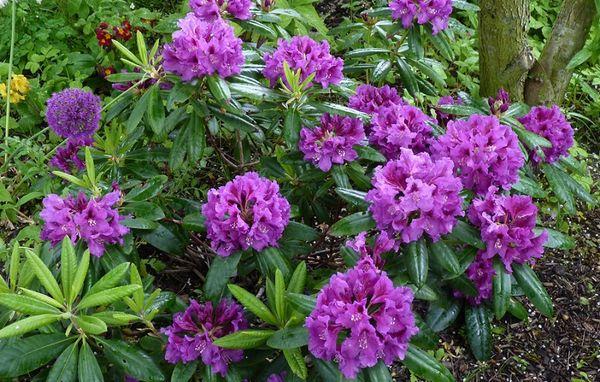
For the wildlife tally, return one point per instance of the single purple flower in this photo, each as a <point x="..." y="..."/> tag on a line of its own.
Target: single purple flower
<point x="210" y="10"/>
<point x="500" y="103"/>
<point x="67" y="158"/>
<point x="481" y="272"/>
<point x="202" y="48"/>
<point x="74" y="113"/>
<point x="550" y="123"/>
<point x="413" y="195"/>
<point x="442" y="117"/>
<point x="332" y="141"/>
<point x="360" y="318"/>
<point x="247" y="212"/>
<point x="485" y="153"/>
<point x="400" y="126"/>
<point x="435" y="12"/>
<point x="190" y="337"/>
<point x="369" y="99"/>
<point x="506" y="224"/>
<point x="304" y="53"/>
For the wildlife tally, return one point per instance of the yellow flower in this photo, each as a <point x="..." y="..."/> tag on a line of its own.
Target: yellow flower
<point x="19" y="87"/>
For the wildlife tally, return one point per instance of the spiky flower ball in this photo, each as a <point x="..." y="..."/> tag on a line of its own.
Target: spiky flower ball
<point x="74" y="113"/>
<point x="550" y="123"/>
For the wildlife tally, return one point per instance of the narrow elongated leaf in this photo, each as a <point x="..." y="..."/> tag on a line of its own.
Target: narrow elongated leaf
<point x="533" y="288"/>
<point x="417" y="262"/>
<point x="479" y="331"/>
<point x="155" y="113"/>
<point x="27" y="354"/>
<point x="220" y="271"/>
<point x="502" y="288"/>
<point x="106" y="297"/>
<point x="425" y="366"/>
<point x="280" y="296"/>
<point x="517" y="309"/>
<point x="26" y="304"/>
<point x="379" y="373"/>
<point x="467" y="234"/>
<point x="426" y="337"/>
<point x="555" y="239"/>
<point x="353" y="196"/>
<point x="292" y="126"/>
<point x="28" y="324"/>
<point x="219" y="88"/>
<point x="369" y="153"/>
<point x="302" y="303"/>
<point x="299" y="231"/>
<point x="112" y="278"/>
<point x="15" y="265"/>
<point x="289" y="338"/>
<point x="137" y="113"/>
<point x="381" y="70"/>
<point x="253" y="304"/>
<point x="408" y="77"/>
<point x="87" y="368"/>
<point x="183" y="372"/>
<point x="352" y="225"/>
<point x="296" y="362"/>
<point x="444" y="255"/>
<point x="244" y="339"/>
<point x="65" y="367"/>
<point x="439" y="318"/>
<point x="133" y="361"/>
<point x="363" y="52"/>
<point x="68" y="266"/>
<point x="80" y="275"/>
<point x="560" y="188"/>
<point x="529" y="187"/>
<point x="44" y="275"/>
<point x="270" y="260"/>
<point x="41" y="297"/>
<point x="298" y="279"/>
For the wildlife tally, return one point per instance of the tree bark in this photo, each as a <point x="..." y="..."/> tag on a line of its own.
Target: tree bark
<point x="504" y="54"/>
<point x="549" y="78"/>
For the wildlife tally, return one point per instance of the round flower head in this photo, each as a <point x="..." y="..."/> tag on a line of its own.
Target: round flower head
<point x="247" y="212"/>
<point x="332" y="141"/>
<point x="74" y="113"/>
<point x="94" y="220"/>
<point x="210" y="10"/>
<point x="481" y="272"/>
<point x="414" y="195"/>
<point x="435" y="12"/>
<point x="202" y="48"/>
<point x="400" y="126"/>
<point x="506" y="224"/>
<point x="442" y="117"/>
<point x="485" y="153"/>
<point x="67" y="158"/>
<point x="360" y="318"/>
<point x="190" y="337"/>
<point x="369" y="99"/>
<point x="551" y="124"/>
<point x="381" y="245"/>
<point x="304" y="53"/>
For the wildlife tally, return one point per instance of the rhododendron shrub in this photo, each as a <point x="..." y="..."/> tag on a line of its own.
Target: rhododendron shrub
<point x="246" y="195"/>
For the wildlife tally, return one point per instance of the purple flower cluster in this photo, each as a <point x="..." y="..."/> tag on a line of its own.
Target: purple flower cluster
<point x="277" y="377"/>
<point x="400" y="126"/>
<point x="500" y="103"/>
<point x="381" y="245"/>
<point x="436" y="12"/>
<point x="481" y="272"/>
<point x="551" y="124"/>
<point x="74" y="113"/>
<point x="247" y="212"/>
<point x="191" y="335"/>
<point x="202" y="48"/>
<point x="304" y="53"/>
<point x="485" y="153"/>
<point x="332" y="141"/>
<point x="94" y="220"/>
<point x="360" y="318"/>
<point x="369" y="99"/>
<point x="506" y="224"/>
<point x="414" y="195"/>
<point x="210" y="10"/>
<point x="444" y="118"/>
<point x="67" y="158"/>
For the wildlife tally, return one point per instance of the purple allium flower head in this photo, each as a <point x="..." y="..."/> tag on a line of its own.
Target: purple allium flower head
<point x="506" y="224"/>
<point x="481" y="272"/>
<point x="202" y="48"/>
<point x="94" y="220"/>
<point x="247" y="212"/>
<point x="304" y="53"/>
<point x="209" y="10"/>
<point x="66" y="158"/>
<point x="277" y="377"/>
<point x="191" y="335"/>
<point x="500" y="103"/>
<point x="485" y="153"/>
<point x="369" y="99"/>
<point x="332" y="141"/>
<point x="444" y="118"/>
<point x="74" y="113"/>
<point x="414" y="195"/>
<point x="435" y="12"/>
<point x="360" y="318"/>
<point x="381" y="245"/>
<point x="550" y="123"/>
<point x="400" y="126"/>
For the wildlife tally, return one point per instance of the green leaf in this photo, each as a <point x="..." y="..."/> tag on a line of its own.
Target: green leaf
<point x="272" y="259"/>
<point x="196" y="138"/>
<point x="255" y="92"/>
<point x="194" y="222"/>
<point x="88" y="369"/>
<point x="220" y="271"/>
<point x="531" y="139"/>
<point x="280" y="296"/>
<point x="353" y="196"/>
<point x="253" y="304"/>
<point x="574" y="186"/>
<point x="379" y="373"/>
<point x="138" y="295"/>
<point x="579" y="58"/>
<point x="442" y="45"/>
<point x="556" y="239"/>
<point x="155" y="113"/>
<point x="28" y="354"/>
<point x="334" y="108"/>
<point x="352" y="225"/>
<point x="440" y="318"/>
<point x="466" y="233"/>
<point x="41" y="297"/>
<point x="302" y="303"/>
<point x="463" y="284"/>
<point x="296" y="362"/>
<point x="132" y="360"/>
<point x="529" y="187"/>
<point x="381" y="70"/>
<point x="299" y="231"/>
<point x="89" y="165"/>
<point x="289" y="338"/>
<point x="417" y="262"/>
<point x="112" y="278"/>
<point x="148" y="190"/>
<point x="533" y="289"/>
<point x="65" y="367"/>
<point x="28" y="324"/>
<point x="479" y="331"/>
<point x="408" y="77"/>
<point x="219" y="88"/>
<point x="15" y="265"/>
<point x="559" y="186"/>
<point x="125" y="77"/>
<point x="137" y="113"/>
<point x="517" y="309"/>
<point x="244" y="339"/>
<point x="442" y="254"/>
<point x="127" y="53"/>
<point x="141" y="45"/>
<point x="364" y="52"/>
<point x="291" y="127"/>
<point x="369" y="153"/>
<point x="26" y="305"/>
<point x="425" y="366"/>
<point x="298" y="279"/>
<point x="113" y="318"/>
<point x="106" y="297"/>
<point x="68" y="267"/>
<point x="44" y="275"/>
<point x="502" y="289"/>
<point x="90" y="324"/>
<point x="183" y="372"/>
<point x="426" y="337"/>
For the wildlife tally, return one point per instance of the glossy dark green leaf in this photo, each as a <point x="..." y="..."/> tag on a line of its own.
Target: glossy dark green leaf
<point x="353" y="196"/>
<point x="467" y="234"/>
<point x="363" y="52"/>
<point x="147" y="189"/>
<point x="289" y="338"/>
<point x="556" y="239"/>
<point x="352" y="225"/>
<point x="164" y="239"/>
<point x="28" y="354"/>
<point x="65" y="366"/>
<point x="87" y="367"/>
<point x="417" y="262"/>
<point x="517" y="309"/>
<point x="442" y="254"/>
<point x="528" y="186"/>
<point x="463" y="284"/>
<point x="426" y="337"/>
<point x="560" y="188"/>
<point x="299" y="231"/>
<point x="183" y="372"/>
<point x="220" y="271"/>
<point x="533" y="288"/>
<point x="132" y="360"/>
<point x="425" y="366"/>
<point x="219" y="89"/>
<point x="408" y="77"/>
<point x="381" y="70"/>
<point x="479" y="331"/>
<point x="291" y="127"/>
<point x="502" y="289"/>
<point x="271" y="259"/>
<point x="370" y="154"/>
<point x="302" y="303"/>
<point x="379" y="373"/>
<point x="440" y="318"/>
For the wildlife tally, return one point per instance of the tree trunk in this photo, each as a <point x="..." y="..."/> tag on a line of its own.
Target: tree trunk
<point x="504" y="55"/>
<point x="549" y="78"/>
